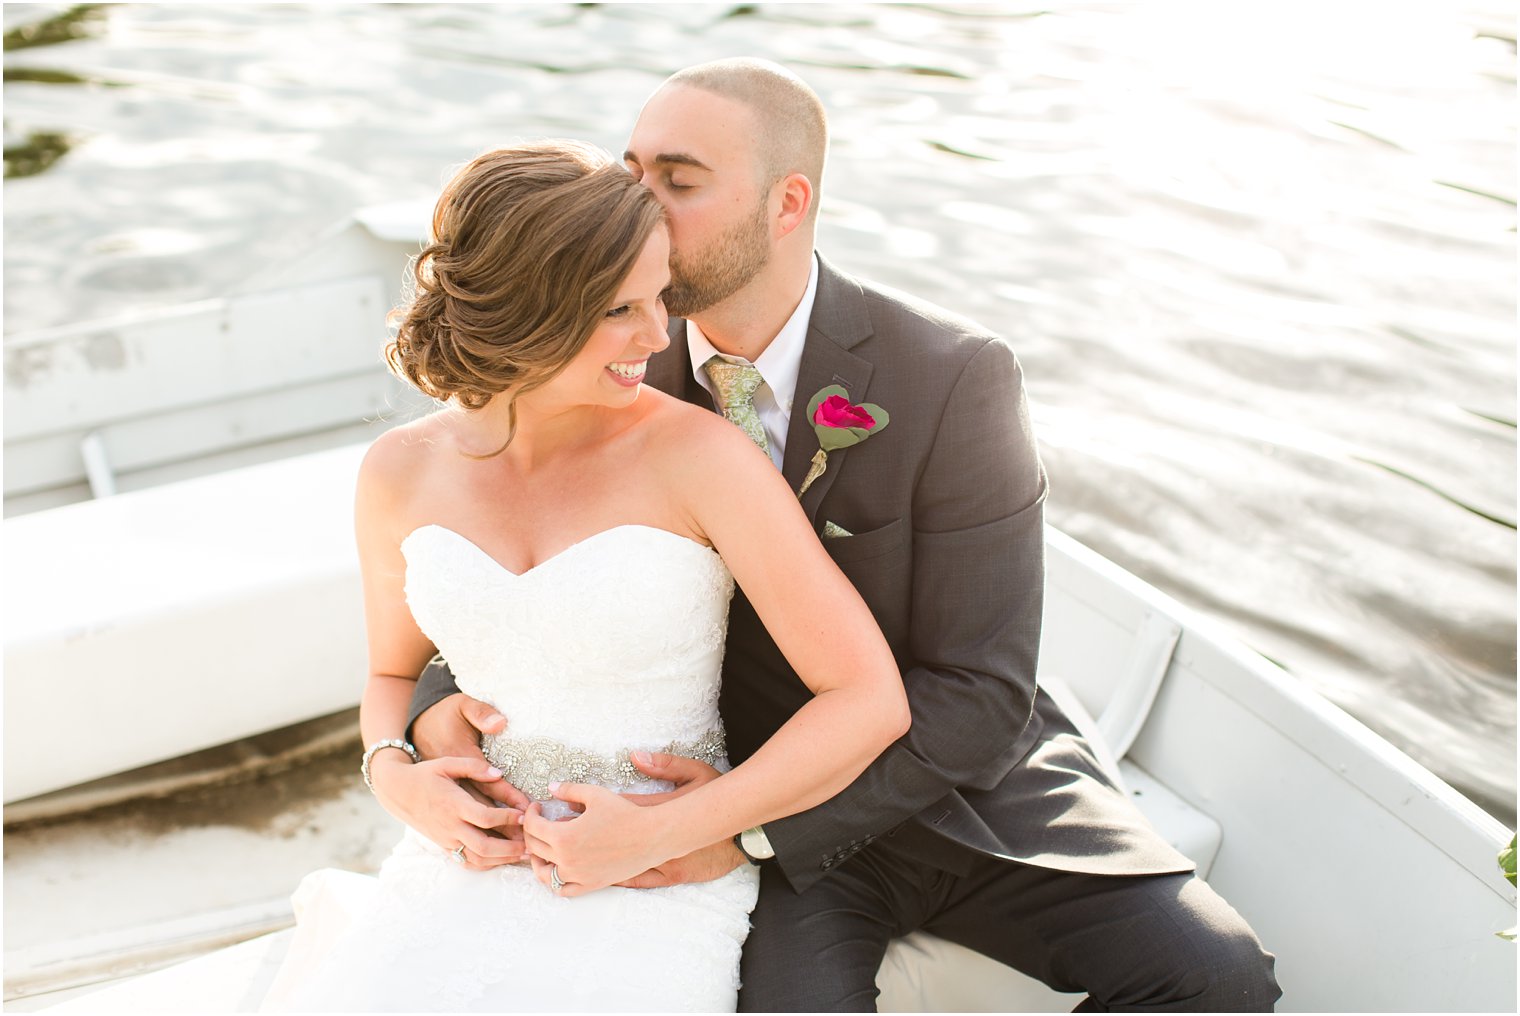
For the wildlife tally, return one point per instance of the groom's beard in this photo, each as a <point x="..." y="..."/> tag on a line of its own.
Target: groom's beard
<point x="700" y="278"/>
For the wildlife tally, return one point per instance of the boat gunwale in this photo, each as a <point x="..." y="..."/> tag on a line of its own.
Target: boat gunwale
<point x="1343" y="745"/>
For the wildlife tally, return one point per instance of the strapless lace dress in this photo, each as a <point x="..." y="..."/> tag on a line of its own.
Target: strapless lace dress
<point x="613" y="645"/>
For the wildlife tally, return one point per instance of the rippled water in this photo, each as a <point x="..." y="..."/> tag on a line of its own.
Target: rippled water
<point x="1258" y="258"/>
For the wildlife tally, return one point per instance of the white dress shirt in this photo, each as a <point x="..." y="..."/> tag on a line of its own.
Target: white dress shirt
<point x="779" y="366"/>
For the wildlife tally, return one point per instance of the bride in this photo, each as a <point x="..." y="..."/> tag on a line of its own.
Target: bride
<point x="570" y="541"/>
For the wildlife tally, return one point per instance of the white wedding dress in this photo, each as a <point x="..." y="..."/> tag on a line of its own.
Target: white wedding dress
<point x="613" y="645"/>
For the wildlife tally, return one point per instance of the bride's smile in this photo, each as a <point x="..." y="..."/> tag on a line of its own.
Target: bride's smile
<point x="630" y="373"/>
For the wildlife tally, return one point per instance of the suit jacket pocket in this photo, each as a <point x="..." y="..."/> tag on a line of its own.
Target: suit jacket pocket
<point x="863" y="546"/>
<point x="879" y="564"/>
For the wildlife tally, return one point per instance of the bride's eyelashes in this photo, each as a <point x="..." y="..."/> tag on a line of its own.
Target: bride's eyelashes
<point x="622" y="309"/>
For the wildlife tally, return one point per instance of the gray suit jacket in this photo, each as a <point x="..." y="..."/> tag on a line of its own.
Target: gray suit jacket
<point x="946" y="507"/>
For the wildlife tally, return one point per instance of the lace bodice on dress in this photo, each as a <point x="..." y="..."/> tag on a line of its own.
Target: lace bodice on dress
<point x="614" y="644"/>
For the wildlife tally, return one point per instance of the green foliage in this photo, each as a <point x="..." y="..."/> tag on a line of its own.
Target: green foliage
<point x="43" y="76"/>
<point x="1507" y="865"/>
<point x="39" y="151"/>
<point x="77" y="22"/>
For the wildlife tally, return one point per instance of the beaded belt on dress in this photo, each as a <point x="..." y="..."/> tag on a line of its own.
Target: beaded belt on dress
<point x="531" y="763"/>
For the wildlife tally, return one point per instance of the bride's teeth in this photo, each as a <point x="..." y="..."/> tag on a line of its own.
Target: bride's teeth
<point x="627" y="371"/>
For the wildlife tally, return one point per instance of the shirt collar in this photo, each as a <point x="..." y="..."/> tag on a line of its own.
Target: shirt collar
<point x="781" y="362"/>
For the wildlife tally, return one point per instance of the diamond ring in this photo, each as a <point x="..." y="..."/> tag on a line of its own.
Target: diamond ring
<point x="458" y="854"/>
<point x="555" y="882"/>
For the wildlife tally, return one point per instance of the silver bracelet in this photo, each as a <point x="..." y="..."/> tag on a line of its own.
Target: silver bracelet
<point x="391" y="742"/>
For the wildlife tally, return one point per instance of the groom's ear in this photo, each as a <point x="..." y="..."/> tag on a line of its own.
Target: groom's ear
<point x="796" y="194"/>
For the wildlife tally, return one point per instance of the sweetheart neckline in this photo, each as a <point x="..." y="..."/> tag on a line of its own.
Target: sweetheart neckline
<point x="556" y="556"/>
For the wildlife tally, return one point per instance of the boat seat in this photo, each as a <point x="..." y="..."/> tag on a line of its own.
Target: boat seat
<point x="167" y="605"/>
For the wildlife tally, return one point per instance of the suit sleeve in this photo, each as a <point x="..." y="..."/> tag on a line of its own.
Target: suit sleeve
<point x="435" y="685"/>
<point x="974" y="631"/>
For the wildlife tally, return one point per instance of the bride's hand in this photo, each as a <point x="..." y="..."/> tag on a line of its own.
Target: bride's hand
<point x="427" y="797"/>
<point x="609" y="841"/>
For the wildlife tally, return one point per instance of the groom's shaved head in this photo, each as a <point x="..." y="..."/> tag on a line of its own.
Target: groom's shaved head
<point x="792" y="134"/>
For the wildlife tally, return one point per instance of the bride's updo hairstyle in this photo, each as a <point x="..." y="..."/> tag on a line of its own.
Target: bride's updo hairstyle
<point x="529" y="246"/>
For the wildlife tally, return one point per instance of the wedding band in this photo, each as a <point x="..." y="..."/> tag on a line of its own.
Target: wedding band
<point x="458" y="854"/>
<point x="555" y="882"/>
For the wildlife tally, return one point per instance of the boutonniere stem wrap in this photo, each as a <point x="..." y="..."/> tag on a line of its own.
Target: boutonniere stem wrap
<point x="839" y="423"/>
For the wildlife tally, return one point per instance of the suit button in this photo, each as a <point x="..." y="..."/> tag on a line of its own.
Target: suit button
<point x="828" y="862"/>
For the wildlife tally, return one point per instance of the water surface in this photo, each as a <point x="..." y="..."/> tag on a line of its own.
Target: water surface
<point x="1258" y="259"/>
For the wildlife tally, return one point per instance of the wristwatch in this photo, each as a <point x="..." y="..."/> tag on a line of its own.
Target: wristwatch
<point x="754" y="845"/>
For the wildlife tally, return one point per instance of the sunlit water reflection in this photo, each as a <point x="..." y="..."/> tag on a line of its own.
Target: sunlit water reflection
<point x="1258" y="258"/>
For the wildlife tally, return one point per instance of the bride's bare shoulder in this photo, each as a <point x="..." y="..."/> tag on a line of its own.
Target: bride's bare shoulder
<point x="396" y="457"/>
<point x="690" y="438"/>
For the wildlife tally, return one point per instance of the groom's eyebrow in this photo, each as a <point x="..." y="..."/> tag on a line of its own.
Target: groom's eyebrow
<point x="671" y="159"/>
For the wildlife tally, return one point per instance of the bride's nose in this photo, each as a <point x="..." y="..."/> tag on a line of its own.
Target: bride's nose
<point x="653" y="336"/>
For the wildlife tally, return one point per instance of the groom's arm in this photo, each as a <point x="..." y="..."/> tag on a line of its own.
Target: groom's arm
<point x="976" y="600"/>
<point x="434" y="685"/>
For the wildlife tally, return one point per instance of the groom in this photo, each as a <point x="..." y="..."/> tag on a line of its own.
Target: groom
<point x="989" y="823"/>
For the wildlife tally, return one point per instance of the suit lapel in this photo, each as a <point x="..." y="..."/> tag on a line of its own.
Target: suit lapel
<point x="839" y="322"/>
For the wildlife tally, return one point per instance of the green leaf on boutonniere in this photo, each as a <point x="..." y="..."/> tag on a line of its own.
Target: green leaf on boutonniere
<point x="839" y="423"/>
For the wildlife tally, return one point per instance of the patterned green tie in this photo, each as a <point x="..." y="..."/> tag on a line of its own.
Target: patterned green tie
<point x="736" y="384"/>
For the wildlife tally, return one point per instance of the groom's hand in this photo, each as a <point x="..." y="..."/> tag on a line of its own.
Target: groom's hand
<point x="698" y="866"/>
<point x="452" y="728"/>
<point x="686" y="773"/>
<point x="703" y="865"/>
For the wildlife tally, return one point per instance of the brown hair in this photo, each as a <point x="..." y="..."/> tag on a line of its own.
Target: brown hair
<point x="529" y="246"/>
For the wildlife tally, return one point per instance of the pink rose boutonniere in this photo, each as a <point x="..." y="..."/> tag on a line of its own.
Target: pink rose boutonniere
<point x="839" y="424"/>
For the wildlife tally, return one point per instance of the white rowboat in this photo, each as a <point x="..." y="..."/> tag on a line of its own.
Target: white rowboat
<point x="177" y="616"/>
<point x="1373" y="882"/>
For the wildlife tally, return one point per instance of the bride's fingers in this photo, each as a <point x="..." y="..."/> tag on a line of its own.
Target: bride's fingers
<point x="534" y="826"/>
<point x="540" y="848"/>
<point x="582" y="794"/>
<point x="496" y="792"/>
<point x="501" y="821"/>
<point x="485" y="850"/>
<point x="459" y="768"/>
<point x="543" y="870"/>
